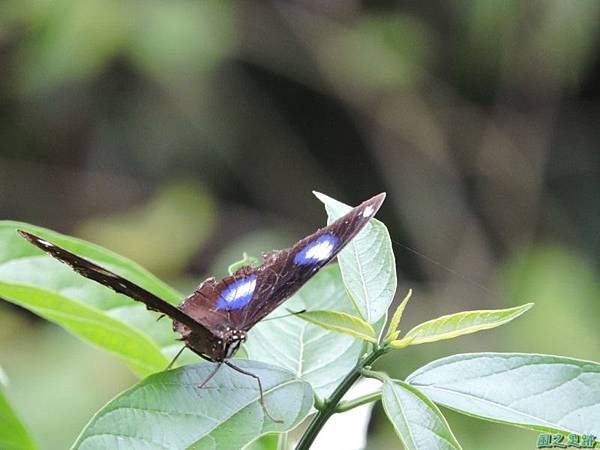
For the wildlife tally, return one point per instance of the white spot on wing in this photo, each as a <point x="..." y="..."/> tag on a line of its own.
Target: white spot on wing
<point x="241" y="290"/>
<point x="44" y="243"/>
<point x="105" y="272"/>
<point x="319" y="251"/>
<point x="237" y="294"/>
<point x="367" y="211"/>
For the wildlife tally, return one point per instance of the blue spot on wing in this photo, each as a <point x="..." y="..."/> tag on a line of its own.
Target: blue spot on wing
<point x="317" y="251"/>
<point x="238" y="294"/>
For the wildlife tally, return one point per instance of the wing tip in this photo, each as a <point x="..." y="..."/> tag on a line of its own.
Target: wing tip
<point x="26" y="235"/>
<point x="376" y="202"/>
<point x="380" y="197"/>
<point x="35" y="240"/>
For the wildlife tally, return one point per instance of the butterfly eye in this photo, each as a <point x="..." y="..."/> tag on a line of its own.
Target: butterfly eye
<point x="233" y="346"/>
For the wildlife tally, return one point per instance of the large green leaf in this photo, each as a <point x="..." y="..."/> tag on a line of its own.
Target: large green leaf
<point x="367" y="264"/>
<point x="454" y="325"/>
<point x="49" y="288"/>
<point x="318" y="356"/>
<point x="13" y="435"/>
<point x="418" y="422"/>
<point x="168" y="410"/>
<point x="341" y="322"/>
<point x="136" y="348"/>
<point x="541" y="392"/>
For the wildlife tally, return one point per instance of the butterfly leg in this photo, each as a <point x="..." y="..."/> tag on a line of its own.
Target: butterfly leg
<point x="262" y="397"/>
<point x="210" y="375"/>
<point x="291" y="313"/>
<point x="175" y="358"/>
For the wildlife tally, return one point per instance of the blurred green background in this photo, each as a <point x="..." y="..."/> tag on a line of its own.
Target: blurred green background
<point x="182" y="133"/>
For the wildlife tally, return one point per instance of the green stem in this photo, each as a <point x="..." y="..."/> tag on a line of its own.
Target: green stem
<point x="351" y="404"/>
<point x="282" y="442"/>
<point x="330" y="405"/>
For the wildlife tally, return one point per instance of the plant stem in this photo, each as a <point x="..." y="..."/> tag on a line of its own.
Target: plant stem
<point x="282" y="442"/>
<point x="330" y="405"/>
<point x="363" y="400"/>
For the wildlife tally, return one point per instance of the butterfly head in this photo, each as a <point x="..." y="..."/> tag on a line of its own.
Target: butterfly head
<point x="232" y="341"/>
<point x="223" y="343"/>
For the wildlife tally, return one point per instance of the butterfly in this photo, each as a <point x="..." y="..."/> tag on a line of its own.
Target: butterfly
<point x="213" y="321"/>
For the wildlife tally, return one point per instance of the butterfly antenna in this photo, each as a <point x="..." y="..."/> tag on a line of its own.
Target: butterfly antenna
<point x="292" y="313"/>
<point x="210" y="375"/>
<point x="160" y="317"/>
<point x="175" y="358"/>
<point x="262" y="397"/>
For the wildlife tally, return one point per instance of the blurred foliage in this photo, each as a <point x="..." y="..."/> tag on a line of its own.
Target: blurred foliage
<point x="186" y="211"/>
<point x="479" y="118"/>
<point x="69" y="40"/>
<point x="567" y="287"/>
<point x="379" y="52"/>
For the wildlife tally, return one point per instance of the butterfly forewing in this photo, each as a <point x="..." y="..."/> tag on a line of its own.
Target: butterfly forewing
<point x="243" y="299"/>
<point x="116" y="282"/>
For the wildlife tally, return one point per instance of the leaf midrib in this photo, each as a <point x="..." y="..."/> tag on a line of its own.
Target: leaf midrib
<point x="486" y="401"/>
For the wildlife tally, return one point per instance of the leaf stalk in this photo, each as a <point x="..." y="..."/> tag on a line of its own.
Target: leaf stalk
<point x="355" y="403"/>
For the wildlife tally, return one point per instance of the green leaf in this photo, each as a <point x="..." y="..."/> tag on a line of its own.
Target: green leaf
<point x="540" y="392"/>
<point x="13" y="434"/>
<point x="367" y="264"/>
<point x="392" y="332"/>
<point x="340" y="322"/>
<point x="134" y="347"/>
<point x="266" y="442"/>
<point x="454" y="325"/>
<point x="419" y="424"/>
<point x="89" y="310"/>
<point x="315" y="354"/>
<point x="168" y="410"/>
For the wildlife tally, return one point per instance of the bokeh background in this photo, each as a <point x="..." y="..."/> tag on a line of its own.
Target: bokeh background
<point x="182" y="133"/>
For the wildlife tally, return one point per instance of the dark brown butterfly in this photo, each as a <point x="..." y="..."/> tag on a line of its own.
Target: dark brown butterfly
<point x="214" y="319"/>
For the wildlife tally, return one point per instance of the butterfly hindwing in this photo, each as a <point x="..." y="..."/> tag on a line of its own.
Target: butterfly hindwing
<point x="244" y="298"/>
